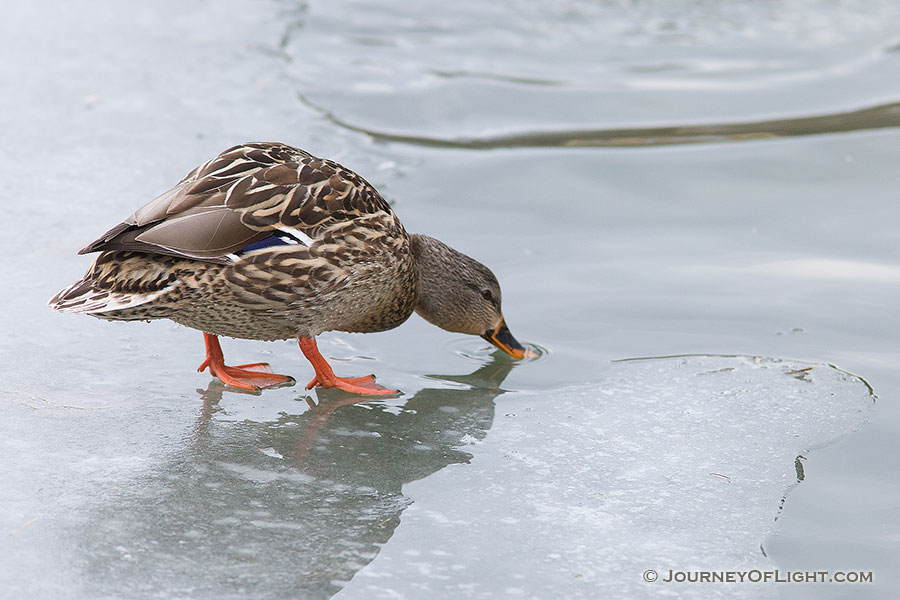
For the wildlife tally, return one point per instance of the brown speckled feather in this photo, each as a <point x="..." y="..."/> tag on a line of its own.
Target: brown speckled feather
<point x="242" y="196"/>
<point x="348" y="265"/>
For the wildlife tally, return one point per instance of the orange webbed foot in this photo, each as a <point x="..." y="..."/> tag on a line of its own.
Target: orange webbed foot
<point x="255" y="379"/>
<point x="354" y="385"/>
<point x="252" y="376"/>
<point x="326" y="378"/>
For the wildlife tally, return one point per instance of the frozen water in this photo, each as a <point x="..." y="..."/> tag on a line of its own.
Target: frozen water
<point x="678" y="463"/>
<point x="184" y="503"/>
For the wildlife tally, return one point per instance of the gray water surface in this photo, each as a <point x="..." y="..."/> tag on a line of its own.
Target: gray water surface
<point x="646" y="179"/>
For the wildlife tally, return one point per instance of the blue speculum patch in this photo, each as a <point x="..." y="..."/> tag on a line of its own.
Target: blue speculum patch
<point x="272" y="240"/>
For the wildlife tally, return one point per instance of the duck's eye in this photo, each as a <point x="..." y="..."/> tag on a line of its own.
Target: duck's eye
<point x="487" y="295"/>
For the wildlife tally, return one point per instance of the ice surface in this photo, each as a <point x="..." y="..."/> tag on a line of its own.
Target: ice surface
<point x="137" y="499"/>
<point x="678" y="463"/>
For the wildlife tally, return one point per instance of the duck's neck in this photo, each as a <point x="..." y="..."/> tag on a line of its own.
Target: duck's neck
<point x="446" y="281"/>
<point x="435" y="262"/>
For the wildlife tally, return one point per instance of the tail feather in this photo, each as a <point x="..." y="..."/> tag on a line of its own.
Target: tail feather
<point x="83" y="297"/>
<point x="109" y="290"/>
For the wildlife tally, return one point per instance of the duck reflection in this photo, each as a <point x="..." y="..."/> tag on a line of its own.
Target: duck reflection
<point x="291" y="508"/>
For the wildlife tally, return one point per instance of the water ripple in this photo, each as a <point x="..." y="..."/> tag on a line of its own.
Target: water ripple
<point x="476" y="350"/>
<point x="881" y="116"/>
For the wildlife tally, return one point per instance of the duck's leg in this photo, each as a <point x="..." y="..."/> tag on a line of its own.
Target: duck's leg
<point x="326" y="378"/>
<point x="254" y="376"/>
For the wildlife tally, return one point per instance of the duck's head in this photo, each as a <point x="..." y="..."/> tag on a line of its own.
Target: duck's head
<point x="459" y="294"/>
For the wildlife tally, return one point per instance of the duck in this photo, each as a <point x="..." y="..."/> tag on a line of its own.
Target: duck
<point x="268" y="242"/>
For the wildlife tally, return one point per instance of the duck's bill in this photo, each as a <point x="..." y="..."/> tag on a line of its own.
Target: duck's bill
<point x="503" y="339"/>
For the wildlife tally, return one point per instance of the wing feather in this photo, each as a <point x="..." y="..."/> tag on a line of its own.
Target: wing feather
<point x="242" y="196"/>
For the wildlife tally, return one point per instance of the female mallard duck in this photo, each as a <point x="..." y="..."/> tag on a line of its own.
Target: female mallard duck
<point x="268" y="242"/>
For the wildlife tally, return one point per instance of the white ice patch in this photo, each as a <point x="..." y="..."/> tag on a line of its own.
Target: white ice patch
<point x="679" y="463"/>
<point x="270" y="451"/>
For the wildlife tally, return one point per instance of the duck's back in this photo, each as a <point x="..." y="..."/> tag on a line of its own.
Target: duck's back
<point x="264" y="241"/>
